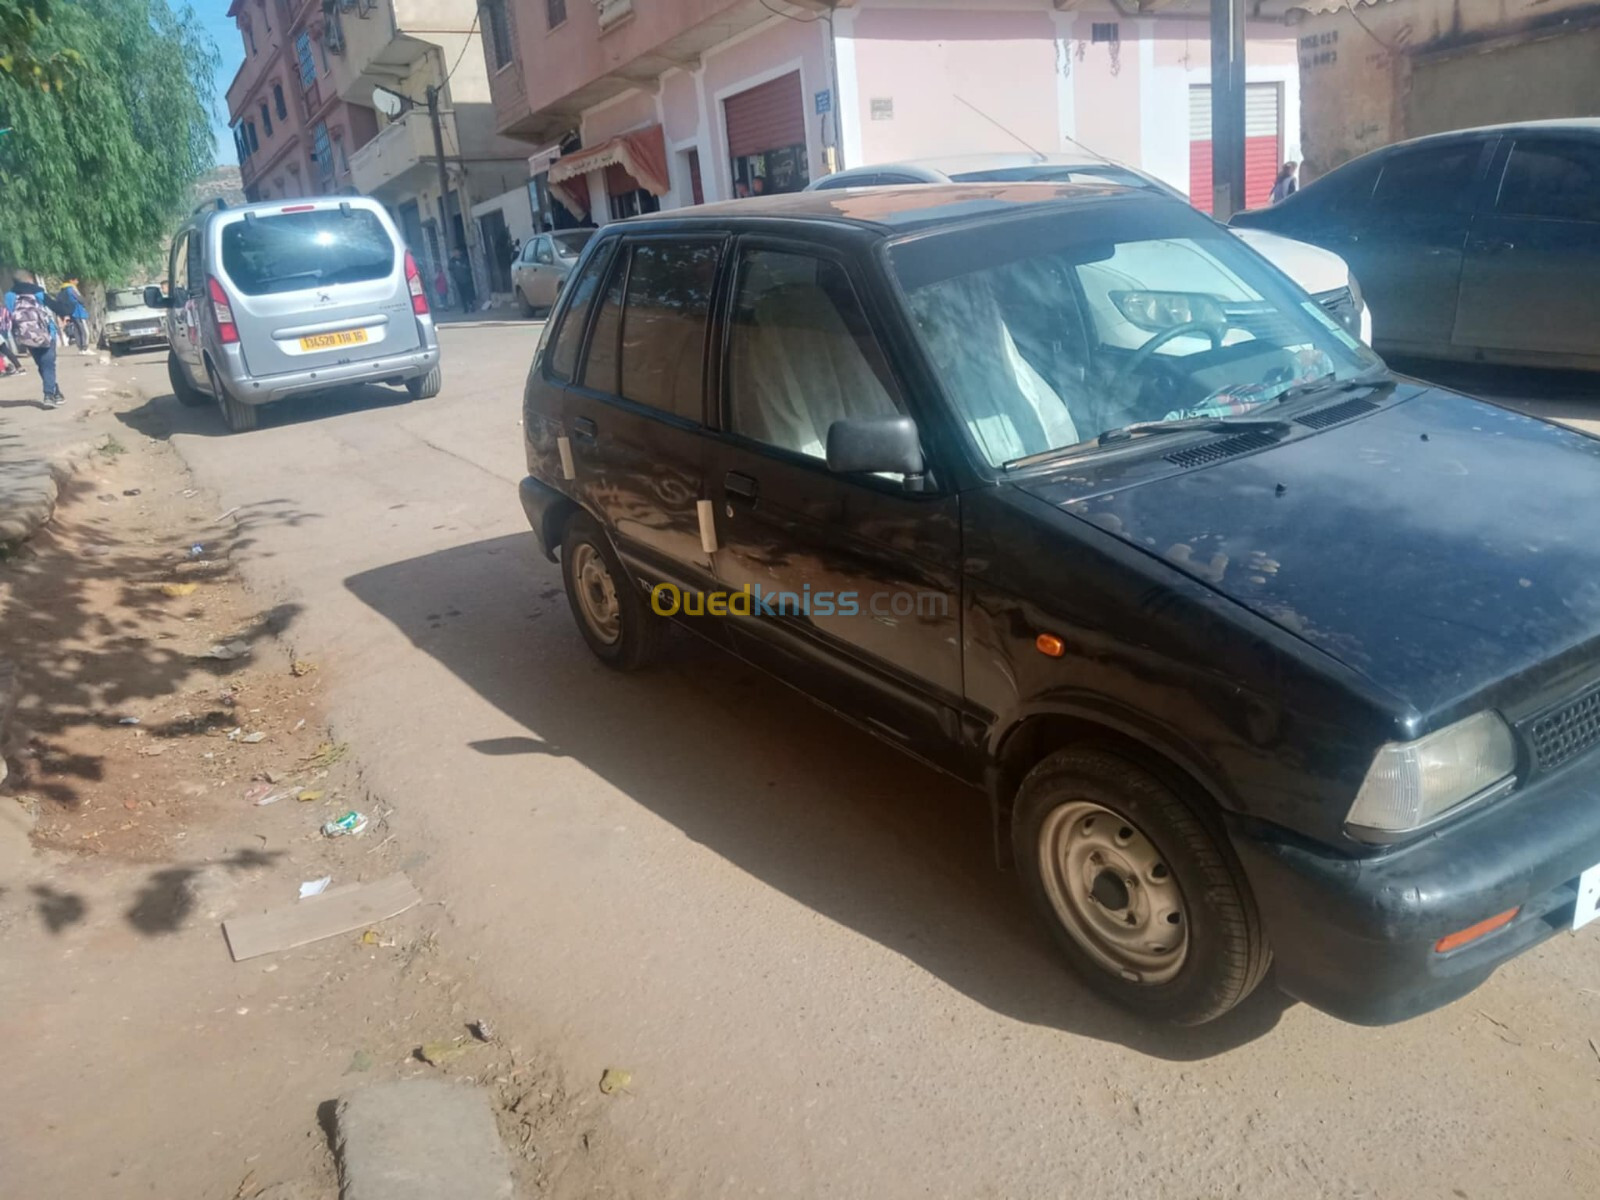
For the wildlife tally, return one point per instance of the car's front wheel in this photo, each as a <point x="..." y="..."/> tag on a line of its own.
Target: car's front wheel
<point x="188" y="395"/>
<point x="1146" y="902"/>
<point x="613" y="615"/>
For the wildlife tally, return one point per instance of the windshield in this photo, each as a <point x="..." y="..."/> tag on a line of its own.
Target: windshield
<point x="126" y="298"/>
<point x="293" y="251"/>
<point x="570" y="245"/>
<point x="1049" y="331"/>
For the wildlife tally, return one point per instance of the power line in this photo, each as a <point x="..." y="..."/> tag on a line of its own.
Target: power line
<point x="465" y="45"/>
<point x="790" y="16"/>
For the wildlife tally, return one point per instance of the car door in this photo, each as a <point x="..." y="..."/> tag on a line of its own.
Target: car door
<point x="854" y="580"/>
<point x="1406" y="242"/>
<point x="1528" y="282"/>
<point x="636" y="416"/>
<point x="522" y="273"/>
<point x="544" y="273"/>
<point x="183" y="314"/>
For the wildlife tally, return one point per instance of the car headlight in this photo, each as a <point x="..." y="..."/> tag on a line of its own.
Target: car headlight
<point x="114" y="328"/>
<point x="1412" y="784"/>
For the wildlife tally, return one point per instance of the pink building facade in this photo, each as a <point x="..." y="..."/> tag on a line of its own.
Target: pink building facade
<point x="739" y="99"/>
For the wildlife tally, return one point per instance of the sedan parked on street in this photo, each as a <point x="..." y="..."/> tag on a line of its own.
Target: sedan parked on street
<point x="1260" y="653"/>
<point x="1323" y="274"/>
<point x="542" y="268"/>
<point x="1481" y="245"/>
<point x="130" y="323"/>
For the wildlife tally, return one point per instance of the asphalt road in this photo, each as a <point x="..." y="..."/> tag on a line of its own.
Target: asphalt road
<point x="792" y="937"/>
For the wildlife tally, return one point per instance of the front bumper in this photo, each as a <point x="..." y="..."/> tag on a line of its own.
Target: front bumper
<point x="1355" y="937"/>
<point x="264" y="389"/>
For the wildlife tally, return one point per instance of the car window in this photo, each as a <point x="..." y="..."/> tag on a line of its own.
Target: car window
<point x="849" y="181"/>
<point x="570" y="245"/>
<point x="196" y="265"/>
<point x="529" y="250"/>
<point x="289" y="252"/>
<point x="800" y="353"/>
<point x="664" y="318"/>
<point x="605" y="342"/>
<point x="124" y="298"/>
<point x="178" y="273"/>
<point x="1559" y="181"/>
<point x="542" y="251"/>
<point x="563" y="357"/>
<point x="1431" y="179"/>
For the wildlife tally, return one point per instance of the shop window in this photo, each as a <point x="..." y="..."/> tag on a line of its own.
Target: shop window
<point x="772" y="172"/>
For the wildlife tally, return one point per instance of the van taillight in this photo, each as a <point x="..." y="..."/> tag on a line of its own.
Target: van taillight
<point x="222" y="311"/>
<point x="419" y="298"/>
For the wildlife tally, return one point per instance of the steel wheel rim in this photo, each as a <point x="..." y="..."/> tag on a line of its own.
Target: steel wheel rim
<point x="597" y="593"/>
<point x="1114" y="893"/>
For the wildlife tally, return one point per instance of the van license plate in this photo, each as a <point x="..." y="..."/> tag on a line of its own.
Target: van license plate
<point x="331" y="341"/>
<point x="1588" y="898"/>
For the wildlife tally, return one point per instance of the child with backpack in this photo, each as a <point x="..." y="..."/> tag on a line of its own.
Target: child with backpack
<point x="8" y="346"/>
<point x="35" y="328"/>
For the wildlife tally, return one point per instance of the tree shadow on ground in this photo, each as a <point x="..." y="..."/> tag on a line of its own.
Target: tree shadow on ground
<point x="783" y="790"/>
<point x="167" y="898"/>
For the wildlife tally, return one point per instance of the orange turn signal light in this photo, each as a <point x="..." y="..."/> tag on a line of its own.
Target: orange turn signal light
<point x="1453" y="941"/>
<point x="1050" y="645"/>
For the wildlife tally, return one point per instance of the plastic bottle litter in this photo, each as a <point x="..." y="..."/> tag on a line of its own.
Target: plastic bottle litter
<point x="128" y="721"/>
<point x="196" y="550"/>
<point x="349" y="825"/>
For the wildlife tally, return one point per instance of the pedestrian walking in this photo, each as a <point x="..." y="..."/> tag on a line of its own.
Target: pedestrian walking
<point x="35" y="327"/>
<point x="8" y="342"/>
<point x="1285" y="186"/>
<point x="461" y="280"/>
<point x="78" y="318"/>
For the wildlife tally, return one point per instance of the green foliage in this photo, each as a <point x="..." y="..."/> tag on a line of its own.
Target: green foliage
<point x="95" y="172"/>
<point x="21" y="22"/>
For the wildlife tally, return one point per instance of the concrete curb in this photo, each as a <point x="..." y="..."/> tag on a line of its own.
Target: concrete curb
<point x="491" y="324"/>
<point x="419" y="1139"/>
<point x="28" y="493"/>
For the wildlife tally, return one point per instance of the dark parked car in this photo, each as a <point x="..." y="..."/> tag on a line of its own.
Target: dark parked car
<point x="1482" y="244"/>
<point x="1257" y="651"/>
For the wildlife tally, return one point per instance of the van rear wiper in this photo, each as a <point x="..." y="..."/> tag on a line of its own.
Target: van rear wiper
<point x="1142" y="429"/>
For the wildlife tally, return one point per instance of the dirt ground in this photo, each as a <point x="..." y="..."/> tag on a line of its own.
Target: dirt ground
<point x="140" y="1059"/>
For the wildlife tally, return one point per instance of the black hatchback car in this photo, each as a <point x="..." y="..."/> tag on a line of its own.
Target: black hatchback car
<point x="1260" y="653"/>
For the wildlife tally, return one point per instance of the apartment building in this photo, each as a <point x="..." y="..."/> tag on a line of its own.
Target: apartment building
<point x="657" y="105"/>
<point x="353" y="77"/>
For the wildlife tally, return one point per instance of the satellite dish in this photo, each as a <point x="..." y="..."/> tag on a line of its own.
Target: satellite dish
<point x="387" y="102"/>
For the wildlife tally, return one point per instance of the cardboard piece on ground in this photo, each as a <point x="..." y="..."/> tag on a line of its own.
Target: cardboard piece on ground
<point x="337" y="910"/>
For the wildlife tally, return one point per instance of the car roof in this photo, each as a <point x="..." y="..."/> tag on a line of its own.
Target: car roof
<point x="1584" y="125"/>
<point x="892" y="209"/>
<point x="283" y="204"/>
<point x="963" y="164"/>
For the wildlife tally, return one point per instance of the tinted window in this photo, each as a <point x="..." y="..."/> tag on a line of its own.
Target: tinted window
<point x="664" y="325"/>
<point x="178" y="274"/>
<point x="292" y="251"/>
<point x="1556" y="180"/>
<point x="801" y="355"/>
<point x="564" y="350"/>
<point x="1428" y="180"/>
<point x="600" y="368"/>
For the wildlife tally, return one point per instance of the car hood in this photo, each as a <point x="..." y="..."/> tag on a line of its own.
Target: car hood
<point x="1313" y="268"/>
<point x="1438" y="545"/>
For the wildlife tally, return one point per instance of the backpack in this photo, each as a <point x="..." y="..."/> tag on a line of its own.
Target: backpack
<point x="32" y="324"/>
<point x="61" y="304"/>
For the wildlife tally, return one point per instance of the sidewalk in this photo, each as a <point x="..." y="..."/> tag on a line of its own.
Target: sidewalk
<point x="497" y="314"/>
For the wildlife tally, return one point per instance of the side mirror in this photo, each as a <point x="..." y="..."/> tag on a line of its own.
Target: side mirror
<point x="872" y="444"/>
<point x="153" y="298"/>
<point x="179" y="297"/>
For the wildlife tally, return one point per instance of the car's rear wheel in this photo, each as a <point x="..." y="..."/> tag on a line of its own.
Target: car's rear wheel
<point x="427" y="386"/>
<point x="611" y="613"/>
<point x="1146" y="902"/>
<point x="188" y="395"/>
<point x="241" y="418"/>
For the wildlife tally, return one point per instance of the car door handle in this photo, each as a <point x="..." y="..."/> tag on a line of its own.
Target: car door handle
<point x="1496" y="246"/>
<point x="584" y="429"/>
<point x="739" y="485"/>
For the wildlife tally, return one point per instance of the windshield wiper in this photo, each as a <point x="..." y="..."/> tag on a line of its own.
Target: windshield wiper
<point x="1142" y="429"/>
<point x="1327" y="384"/>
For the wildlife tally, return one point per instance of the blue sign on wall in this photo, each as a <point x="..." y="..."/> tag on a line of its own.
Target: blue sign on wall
<point x="824" y="102"/>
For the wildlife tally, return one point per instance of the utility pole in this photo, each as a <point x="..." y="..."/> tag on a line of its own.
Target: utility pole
<point x="444" y="176"/>
<point x="1227" y="108"/>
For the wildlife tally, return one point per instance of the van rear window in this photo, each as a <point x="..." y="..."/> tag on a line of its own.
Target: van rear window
<point x="289" y="252"/>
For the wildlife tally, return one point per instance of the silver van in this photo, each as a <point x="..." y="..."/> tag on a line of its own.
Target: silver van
<point x="271" y="300"/>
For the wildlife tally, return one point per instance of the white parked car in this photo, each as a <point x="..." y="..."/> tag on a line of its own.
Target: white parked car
<point x="130" y="323"/>
<point x="540" y="271"/>
<point x="1320" y="272"/>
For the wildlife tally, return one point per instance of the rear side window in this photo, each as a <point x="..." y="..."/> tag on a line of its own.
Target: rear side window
<point x="605" y="343"/>
<point x="289" y="252"/>
<point x="664" y="325"/>
<point x="1436" y="179"/>
<point x="569" y="337"/>
<point x="1559" y="181"/>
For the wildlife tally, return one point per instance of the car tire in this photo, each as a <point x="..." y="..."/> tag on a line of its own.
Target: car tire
<point x="528" y="310"/>
<point x="427" y="386"/>
<point x="116" y="350"/>
<point x="241" y="418"/>
<point x="1146" y="902"/>
<point x="188" y="395"/>
<point x="612" y="614"/>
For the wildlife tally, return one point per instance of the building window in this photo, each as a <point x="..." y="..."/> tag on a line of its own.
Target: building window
<point x="322" y="149"/>
<point x="250" y="136"/>
<point x="266" y="119"/>
<point x="239" y="143"/>
<point x="497" y="24"/>
<point x="278" y="101"/>
<point x="308" y="66"/>
<point x="555" y="12"/>
<point x="1104" y="31"/>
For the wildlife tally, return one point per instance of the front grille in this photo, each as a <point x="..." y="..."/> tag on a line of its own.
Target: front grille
<point x="1239" y="443"/>
<point x="1567" y="731"/>
<point x="1341" y="306"/>
<point x="1324" y="417"/>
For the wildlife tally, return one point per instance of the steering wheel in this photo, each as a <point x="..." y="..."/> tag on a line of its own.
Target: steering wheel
<point x="1142" y="355"/>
